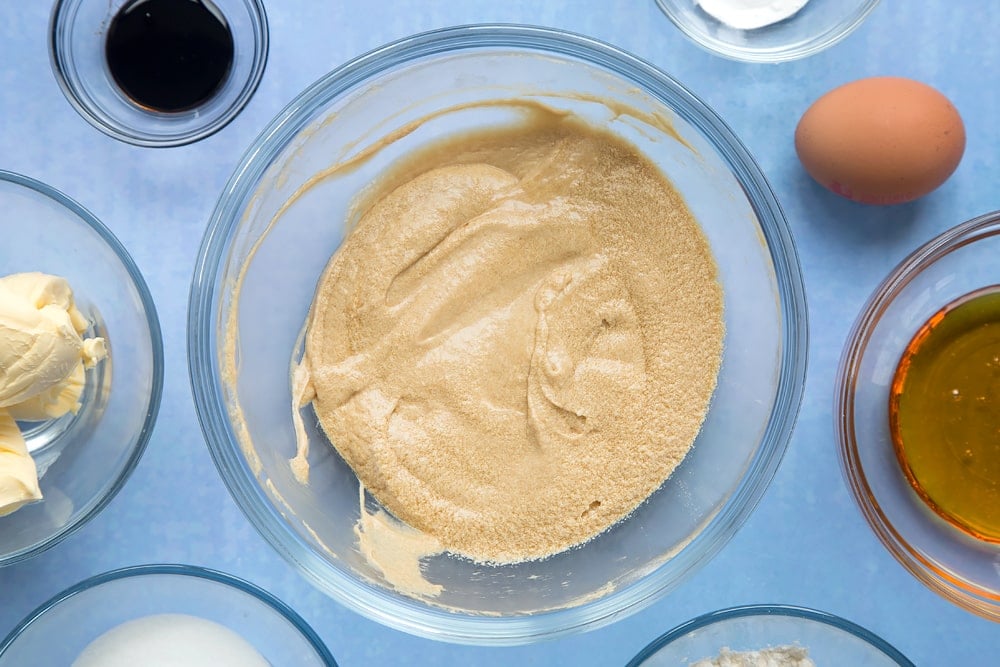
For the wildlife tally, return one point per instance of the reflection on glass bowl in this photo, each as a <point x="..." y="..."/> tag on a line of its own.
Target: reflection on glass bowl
<point x="261" y="259"/>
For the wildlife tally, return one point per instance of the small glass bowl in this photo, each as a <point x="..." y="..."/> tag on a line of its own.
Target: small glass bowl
<point x="829" y="639"/>
<point x="76" y="46"/>
<point x="56" y="632"/>
<point x="260" y="261"/>
<point x="959" y="567"/>
<point x="817" y="26"/>
<point x="83" y="459"/>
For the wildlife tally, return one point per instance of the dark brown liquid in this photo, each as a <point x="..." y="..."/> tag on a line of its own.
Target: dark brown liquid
<point x="169" y="55"/>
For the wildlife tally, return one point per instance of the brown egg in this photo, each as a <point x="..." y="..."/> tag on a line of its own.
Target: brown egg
<point x="883" y="140"/>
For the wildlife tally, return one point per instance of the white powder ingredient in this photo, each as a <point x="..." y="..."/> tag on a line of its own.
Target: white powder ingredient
<point x="751" y="14"/>
<point x="779" y="656"/>
<point x="170" y="640"/>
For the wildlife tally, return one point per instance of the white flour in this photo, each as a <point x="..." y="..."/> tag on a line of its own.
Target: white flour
<point x="751" y="14"/>
<point x="780" y="656"/>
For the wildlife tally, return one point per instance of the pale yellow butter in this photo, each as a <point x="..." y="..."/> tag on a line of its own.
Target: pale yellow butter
<point x="43" y="357"/>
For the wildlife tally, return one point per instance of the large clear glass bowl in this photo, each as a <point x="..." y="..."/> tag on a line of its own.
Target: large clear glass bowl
<point x="829" y="639"/>
<point x="955" y="565"/>
<point x="260" y="261"/>
<point x="56" y="632"/>
<point x="83" y="459"/>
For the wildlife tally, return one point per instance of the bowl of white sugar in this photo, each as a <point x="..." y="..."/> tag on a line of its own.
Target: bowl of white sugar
<point x="164" y="616"/>
<point x="767" y="31"/>
<point x="497" y="334"/>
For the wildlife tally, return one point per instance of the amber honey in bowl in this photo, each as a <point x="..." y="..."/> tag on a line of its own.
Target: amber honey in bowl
<point x="944" y="413"/>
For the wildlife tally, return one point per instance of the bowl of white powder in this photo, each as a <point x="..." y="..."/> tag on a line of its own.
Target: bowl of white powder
<point x="497" y="334"/>
<point x="164" y="616"/>
<point x="769" y="636"/>
<point x="768" y="31"/>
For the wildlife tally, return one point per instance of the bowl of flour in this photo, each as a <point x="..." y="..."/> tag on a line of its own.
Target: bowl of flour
<point x="767" y="31"/>
<point x="769" y="636"/>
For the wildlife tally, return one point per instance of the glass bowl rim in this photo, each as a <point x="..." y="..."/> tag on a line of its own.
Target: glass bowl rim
<point x="170" y="569"/>
<point x="156" y="340"/>
<point x="768" y="610"/>
<point x="857" y="343"/>
<point x="123" y="132"/>
<point x="411" y="616"/>
<point x="778" y="54"/>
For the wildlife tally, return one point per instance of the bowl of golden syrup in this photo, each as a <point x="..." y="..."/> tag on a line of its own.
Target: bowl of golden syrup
<point x="944" y="413"/>
<point x="917" y="412"/>
<point x="158" y="72"/>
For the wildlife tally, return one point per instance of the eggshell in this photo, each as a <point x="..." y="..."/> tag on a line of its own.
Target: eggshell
<point x="882" y="140"/>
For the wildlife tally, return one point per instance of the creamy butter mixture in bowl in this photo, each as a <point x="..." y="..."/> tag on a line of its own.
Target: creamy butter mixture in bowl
<point x="497" y="333"/>
<point x="81" y="366"/>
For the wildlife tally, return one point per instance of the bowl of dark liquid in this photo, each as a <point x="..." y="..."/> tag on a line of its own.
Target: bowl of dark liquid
<point x="158" y="72"/>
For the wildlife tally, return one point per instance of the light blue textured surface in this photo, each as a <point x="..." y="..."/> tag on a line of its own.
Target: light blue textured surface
<point x="806" y="544"/>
